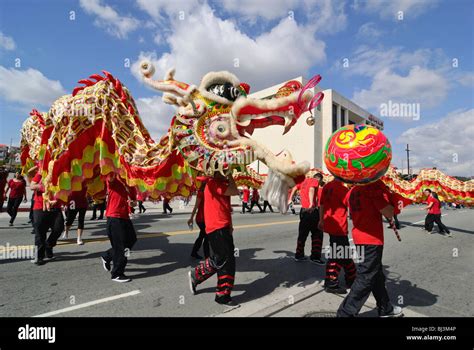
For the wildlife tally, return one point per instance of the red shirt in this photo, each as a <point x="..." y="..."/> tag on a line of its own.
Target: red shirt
<point x="200" y="211"/>
<point x="365" y="203"/>
<point x="78" y="199"/>
<point x="17" y="188"/>
<point x="246" y="195"/>
<point x="435" y="208"/>
<point x="38" y="196"/>
<point x="335" y="211"/>
<point x="304" y="192"/>
<point x="217" y="209"/>
<point x="117" y="202"/>
<point x="141" y="197"/>
<point x="255" y="195"/>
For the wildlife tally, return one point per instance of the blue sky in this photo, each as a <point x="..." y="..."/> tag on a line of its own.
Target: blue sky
<point x="424" y="57"/>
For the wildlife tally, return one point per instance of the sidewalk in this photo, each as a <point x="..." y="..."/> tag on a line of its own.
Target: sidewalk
<point x="306" y="299"/>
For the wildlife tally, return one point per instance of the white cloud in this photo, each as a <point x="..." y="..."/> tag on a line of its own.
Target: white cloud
<point x="466" y="79"/>
<point x="108" y="18"/>
<point x="325" y="16"/>
<point x="251" y="9"/>
<point x="369" y="61"/>
<point x="7" y="42"/>
<point x="155" y="114"/>
<point x="158" y="9"/>
<point x="206" y="43"/>
<point x="420" y="85"/>
<point x="29" y="87"/>
<point x="368" y="31"/>
<point x="400" y="76"/>
<point x="445" y="144"/>
<point x="390" y="8"/>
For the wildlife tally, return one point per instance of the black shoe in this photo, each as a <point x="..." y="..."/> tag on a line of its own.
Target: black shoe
<point x="121" y="279"/>
<point x="300" y="258"/>
<point x="335" y="290"/>
<point x="318" y="261"/>
<point x="196" y="256"/>
<point x="192" y="282"/>
<point x="49" y="254"/>
<point x="225" y="300"/>
<point x="171" y="211"/>
<point x="144" y="210"/>
<point x="93" y="218"/>
<point x="105" y="264"/>
<point x="38" y="262"/>
<point x="11" y="224"/>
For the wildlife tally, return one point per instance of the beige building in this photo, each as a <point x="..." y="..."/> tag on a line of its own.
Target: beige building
<point x="307" y="142"/>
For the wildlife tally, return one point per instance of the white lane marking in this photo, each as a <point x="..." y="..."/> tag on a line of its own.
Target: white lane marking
<point x="90" y="303"/>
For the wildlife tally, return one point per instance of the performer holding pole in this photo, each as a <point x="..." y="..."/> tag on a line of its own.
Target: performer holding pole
<point x="120" y="228"/>
<point x="43" y="220"/>
<point x="218" y="219"/>
<point x="333" y="220"/>
<point x="309" y="219"/>
<point x="198" y="211"/>
<point x="77" y="205"/>
<point x="367" y="204"/>
<point x="245" y="199"/>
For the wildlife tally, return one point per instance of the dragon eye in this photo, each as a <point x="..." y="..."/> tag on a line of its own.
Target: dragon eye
<point x="225" y="90"/>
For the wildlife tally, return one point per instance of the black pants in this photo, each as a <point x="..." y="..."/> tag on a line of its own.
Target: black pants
<point x="71" y="216"/>
<point x="431" y="219"/>
<point x="265" y="205"/>
<point x="309" y="219"/>
<point x="201" y="240"/>
<point x="335" y="263"/>
<point x="42" y="222"/>
<point x="396" y="222"/>
<point x="31" y="208"/>
<point x="122" y="237"/>
<point x="12" y="207"/>
<point x="370" y="279"/>
<point x="245" y="206"/>
<point x="166" y="208"/>
<point x="222" y="261"/>
<point x="253" y="203"/>
<point x="100" y="207"/>
<point x="141" y="208"/>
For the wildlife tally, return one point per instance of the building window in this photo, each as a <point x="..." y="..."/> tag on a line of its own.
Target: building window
<point x="334" y="117"/>
<point x="343" y="116"/>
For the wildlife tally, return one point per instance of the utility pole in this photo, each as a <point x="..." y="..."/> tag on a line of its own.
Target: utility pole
<point x="408" y="160"/>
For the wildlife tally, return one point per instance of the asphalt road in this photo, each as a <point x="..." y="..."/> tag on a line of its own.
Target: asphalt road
<point x="431" y="273"/>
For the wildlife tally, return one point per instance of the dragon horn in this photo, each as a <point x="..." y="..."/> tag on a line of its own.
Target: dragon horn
<point x="168" y="85"/>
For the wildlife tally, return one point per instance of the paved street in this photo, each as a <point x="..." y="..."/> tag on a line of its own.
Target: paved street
<point x="430" y="275"/>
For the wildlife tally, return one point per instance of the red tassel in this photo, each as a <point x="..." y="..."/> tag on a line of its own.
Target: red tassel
<point x="96" y="77"/>
<point x="76" y="90"/>
<point x="86" y="82"/>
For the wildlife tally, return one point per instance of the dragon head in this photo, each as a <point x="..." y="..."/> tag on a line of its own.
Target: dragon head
<point x="215" y="120"/>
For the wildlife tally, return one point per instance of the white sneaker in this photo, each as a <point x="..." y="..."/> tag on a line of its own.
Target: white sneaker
<point x="121" y="279"/>
<point x="396" y="312"/>
<point x="64" y="236"/>
<point x="80" y="242"/>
